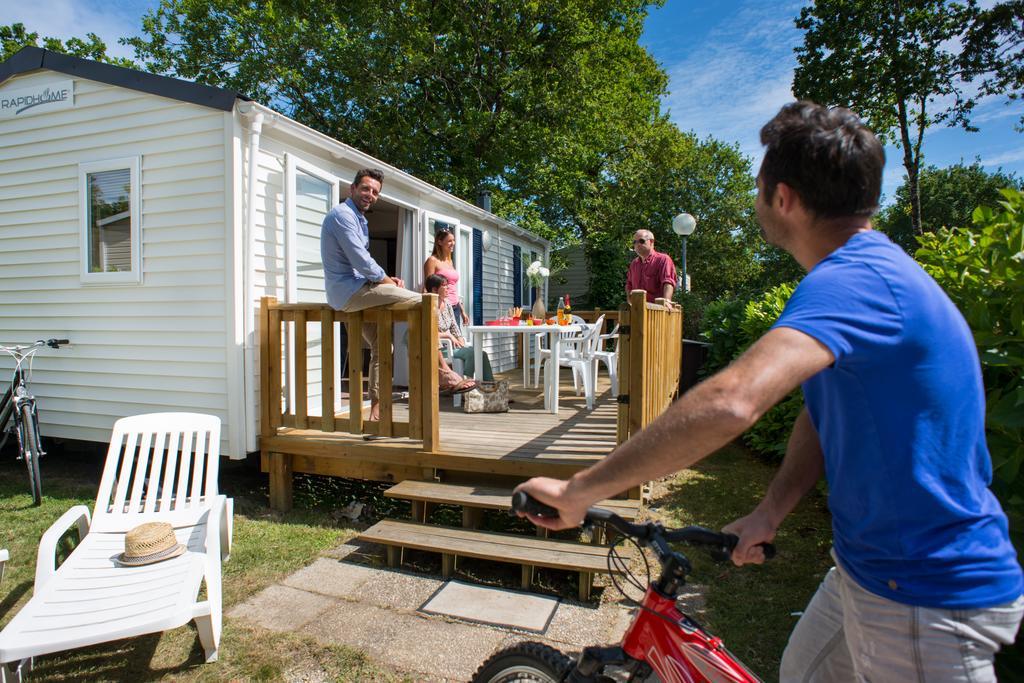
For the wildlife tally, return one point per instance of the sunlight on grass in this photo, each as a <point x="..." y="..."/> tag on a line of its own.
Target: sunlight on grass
<point x="750" y="608"/>
<point x="267" y="547"/>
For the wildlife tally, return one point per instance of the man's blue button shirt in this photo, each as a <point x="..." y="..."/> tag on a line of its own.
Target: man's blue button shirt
<point x="344" y="249"/>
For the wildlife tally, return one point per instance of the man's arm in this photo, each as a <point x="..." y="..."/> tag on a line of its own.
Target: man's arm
<point x="706" y="418"/>
<point x="667" y="290"/>
<point x="801" y="469"/>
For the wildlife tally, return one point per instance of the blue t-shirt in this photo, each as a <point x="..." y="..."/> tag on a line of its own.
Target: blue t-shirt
<point x="901" y="419"/>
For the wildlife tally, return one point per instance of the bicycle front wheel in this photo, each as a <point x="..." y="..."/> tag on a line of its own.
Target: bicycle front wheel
<point x="533" y="662"/>
<point x="31" y="452"/>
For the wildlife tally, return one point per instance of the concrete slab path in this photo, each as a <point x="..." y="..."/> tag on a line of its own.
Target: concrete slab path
<point x="340" y="600"/>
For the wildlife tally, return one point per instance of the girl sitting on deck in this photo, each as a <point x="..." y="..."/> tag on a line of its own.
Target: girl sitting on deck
<point x="448" y="328"/>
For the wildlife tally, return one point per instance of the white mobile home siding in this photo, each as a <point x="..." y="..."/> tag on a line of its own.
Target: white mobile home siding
<point x="157" y="345"/>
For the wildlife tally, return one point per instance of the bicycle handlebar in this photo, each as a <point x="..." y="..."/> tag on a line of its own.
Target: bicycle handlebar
<point x="651" y="533"/>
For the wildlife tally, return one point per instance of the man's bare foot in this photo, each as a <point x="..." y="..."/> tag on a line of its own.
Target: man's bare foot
<point x="374" y="411"/>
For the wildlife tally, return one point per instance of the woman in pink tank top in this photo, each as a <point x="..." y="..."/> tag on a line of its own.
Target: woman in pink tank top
<point x="440" y="261"/>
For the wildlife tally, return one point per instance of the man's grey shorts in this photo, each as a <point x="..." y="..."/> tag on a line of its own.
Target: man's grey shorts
<point x="850" y="634"/>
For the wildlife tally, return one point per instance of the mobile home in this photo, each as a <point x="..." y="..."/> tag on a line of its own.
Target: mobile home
<point x="142" y="217"/>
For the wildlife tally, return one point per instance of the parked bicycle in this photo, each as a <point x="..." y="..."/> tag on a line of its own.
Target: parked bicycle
<point x="19" y="403"/>
<point x="661" y="639"/>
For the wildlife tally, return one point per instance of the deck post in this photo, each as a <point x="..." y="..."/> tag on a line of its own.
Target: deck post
<point x="385" y="352"/>
<point x="327" y="369"/>
<point x="266" y="431"/>
<point x="447" y="565"/>
<point x="355" y="372"/>
<point x="428" y="358"/>
<point x="280" y="482"/>
<point x="416" y="397"/>
<point x="274" y="363"/>
<point x="586" y="581"/>
<point x="624" y="367"/>
<point x="526" y="577"/>
<point x="301" y="407"/>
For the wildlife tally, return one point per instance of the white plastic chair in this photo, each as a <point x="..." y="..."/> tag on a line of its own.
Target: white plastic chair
<point x="581" y="346"/>
<point x="159" y="467"/>
<point x="4" y="556"/>
<point x="448" y="349"/>
<point x="609" y="358"/>
<point x="567" y="348"/>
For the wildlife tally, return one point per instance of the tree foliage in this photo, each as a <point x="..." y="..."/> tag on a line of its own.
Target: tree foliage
<point x="982" y="271"/>
<point x="994" y="51"/>
<point x="554" y="106"/>
<point x="523" y="95"/>
<point x="948" y="199"/>
<point x="893" y="63"/>
<point x="14" y="37"/>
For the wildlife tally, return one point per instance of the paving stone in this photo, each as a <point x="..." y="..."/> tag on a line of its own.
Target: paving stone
<point x="582" y="626"/>
<point x="330" y="577"/>
<point x="280" y="608"/>
<point x="433" y="648"/>
<point x="495" y="606"/>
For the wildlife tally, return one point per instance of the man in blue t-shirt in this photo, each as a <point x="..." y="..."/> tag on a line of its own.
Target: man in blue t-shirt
<point x="926" y="585"/>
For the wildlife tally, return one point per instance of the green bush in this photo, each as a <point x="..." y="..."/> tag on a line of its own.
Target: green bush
<point x="730" y="327"/>
<point x="982" y="270"/>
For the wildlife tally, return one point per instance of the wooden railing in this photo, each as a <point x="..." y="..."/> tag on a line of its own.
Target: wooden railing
<point x="650" y="354"/>
<point x="278" y="321"/>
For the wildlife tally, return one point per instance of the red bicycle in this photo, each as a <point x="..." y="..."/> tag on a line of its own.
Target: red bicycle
<point x="661" y="639"/>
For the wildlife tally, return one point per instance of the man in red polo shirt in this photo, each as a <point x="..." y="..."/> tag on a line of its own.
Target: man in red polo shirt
<point x="651" y="271"/>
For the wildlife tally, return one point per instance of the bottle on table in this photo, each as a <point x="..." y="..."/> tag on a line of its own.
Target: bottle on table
<point x="561" y="311"/>
<point x="568" y="309"/>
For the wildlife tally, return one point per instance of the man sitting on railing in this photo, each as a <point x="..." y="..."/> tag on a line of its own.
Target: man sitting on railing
<point x="353" y="279"/>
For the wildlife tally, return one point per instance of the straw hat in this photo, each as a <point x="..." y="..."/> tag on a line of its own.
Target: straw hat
<point x="148" y="543"/>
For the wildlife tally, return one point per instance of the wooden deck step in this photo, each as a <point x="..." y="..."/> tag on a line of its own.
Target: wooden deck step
<point x="474" y="499"/>
<point x="527" y="551"/>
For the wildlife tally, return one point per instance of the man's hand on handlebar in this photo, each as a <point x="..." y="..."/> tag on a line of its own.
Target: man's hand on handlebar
<point x="554" y="492"/>
<point x="752" y="530"/>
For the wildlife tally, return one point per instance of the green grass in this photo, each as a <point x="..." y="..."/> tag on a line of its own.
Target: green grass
<point x="751" y="608"/>
<point x="267" y="547"/>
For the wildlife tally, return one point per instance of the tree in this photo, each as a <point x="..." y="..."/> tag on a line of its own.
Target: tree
<point x="994" y="51"/>
<point x="892" y="62"/>
<point x="948" y="199"/>
<point x="554" y="106"/>
<point x="458" y="92"/>
<point x="14" y="37"/>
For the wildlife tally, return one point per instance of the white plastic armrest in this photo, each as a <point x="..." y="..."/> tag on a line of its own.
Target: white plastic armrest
<point x="46" y="560"/>
<point x="449" y="347"/>
<point x="4" y="556"/>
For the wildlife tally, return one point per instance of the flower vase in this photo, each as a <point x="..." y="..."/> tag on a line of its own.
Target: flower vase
<point x="538" y="312"/>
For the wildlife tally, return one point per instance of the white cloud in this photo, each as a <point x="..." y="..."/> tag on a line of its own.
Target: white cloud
<point x="1009" y="157"/>
<point x="734" y="81"/>
<point x="75" y="18"/>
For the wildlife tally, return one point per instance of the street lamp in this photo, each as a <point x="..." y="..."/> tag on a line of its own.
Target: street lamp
<point x="684" y="224"/>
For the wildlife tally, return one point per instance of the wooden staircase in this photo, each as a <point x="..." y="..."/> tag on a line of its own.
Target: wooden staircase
<point x="452" y="542"/>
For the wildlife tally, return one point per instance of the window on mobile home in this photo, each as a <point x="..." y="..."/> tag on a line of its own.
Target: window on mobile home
<point x="110" y="249"/>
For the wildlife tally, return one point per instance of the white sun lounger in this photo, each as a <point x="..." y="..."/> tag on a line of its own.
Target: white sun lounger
<point x="160" y="467"/>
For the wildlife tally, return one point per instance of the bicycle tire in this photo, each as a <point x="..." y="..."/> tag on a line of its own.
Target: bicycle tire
<point x="530" y="661"/>
<point x="31" y="452"/>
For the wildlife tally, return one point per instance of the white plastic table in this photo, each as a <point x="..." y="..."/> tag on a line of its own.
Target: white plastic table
<point x="481" y="332"/>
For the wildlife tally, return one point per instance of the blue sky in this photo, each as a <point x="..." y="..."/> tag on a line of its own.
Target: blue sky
<point x="730" y="64"/>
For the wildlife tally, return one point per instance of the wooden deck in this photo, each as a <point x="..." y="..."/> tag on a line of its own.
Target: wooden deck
<point x="526" y="441"/>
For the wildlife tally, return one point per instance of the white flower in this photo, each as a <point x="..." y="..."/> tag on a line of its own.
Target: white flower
<point x="544" y="272"/>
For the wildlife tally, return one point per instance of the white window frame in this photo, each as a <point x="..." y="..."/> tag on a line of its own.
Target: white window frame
<point x="134" y="166"/>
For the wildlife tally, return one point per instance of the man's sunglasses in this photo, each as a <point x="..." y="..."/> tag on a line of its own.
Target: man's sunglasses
<point x="640" y="241"/>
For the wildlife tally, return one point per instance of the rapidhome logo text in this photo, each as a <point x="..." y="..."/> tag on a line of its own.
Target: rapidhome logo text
<point x="30" y="100"/>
